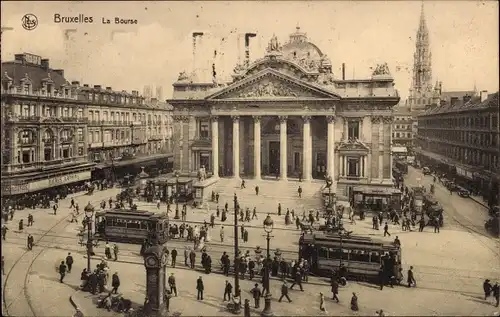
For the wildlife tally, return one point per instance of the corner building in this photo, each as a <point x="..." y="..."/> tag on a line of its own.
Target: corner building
<point x="286" y="115"/>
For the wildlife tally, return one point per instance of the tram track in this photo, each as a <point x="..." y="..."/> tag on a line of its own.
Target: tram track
<point x="22" y="289"/>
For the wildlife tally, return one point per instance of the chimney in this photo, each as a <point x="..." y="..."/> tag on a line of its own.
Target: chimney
<point x="45" y="63"/>
<point x="75" y="83"/>
<point x="59" y="71"/>
<point x="247" y="47"/>
<point x="454" y="101"/>
<point x="343" y="71"/>
<point x="85" y="85"/>
<point x="97" y="86"/>
<point x="466" y="98"/>
<point x="484" y="95"/>
<point x="108" y="88"/>
<point x="135" y="93"/>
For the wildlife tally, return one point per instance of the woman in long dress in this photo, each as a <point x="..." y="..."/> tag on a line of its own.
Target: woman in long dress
<point x="322" y="303"/>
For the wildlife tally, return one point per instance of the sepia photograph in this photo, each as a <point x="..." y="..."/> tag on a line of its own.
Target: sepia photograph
<point x="250" y="158"/>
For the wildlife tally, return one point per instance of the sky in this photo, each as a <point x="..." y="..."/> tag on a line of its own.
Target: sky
<point x="463" y="38"/>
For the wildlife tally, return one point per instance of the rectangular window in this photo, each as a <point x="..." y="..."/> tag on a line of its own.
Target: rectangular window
<point x="79" y="132"/>
<point x="204" y="129"/>
<point x="353" y="167"/>
<point x="353" y="129"/>
<point x="96" y="136"/>
<point x="80" y="151"/>
<point x="26" y="156"/>
<point x="65" y="153"/>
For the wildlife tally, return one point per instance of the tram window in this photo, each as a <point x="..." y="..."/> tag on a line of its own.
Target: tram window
<point x="144" y="225"/>
<point x="375" y="257"/>
<point x="120" y="223"/>
<point x="365" y="257"/>
<point x="323" y="253"/>
<point x="133" y="224"/>
<point x="355" y="255"/>
<point x="345" y="254"/>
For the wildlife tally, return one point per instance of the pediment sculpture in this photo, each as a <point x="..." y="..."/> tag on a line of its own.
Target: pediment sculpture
<point x="381" y="69"/>
<point x="239" y="68"/>
<point x="352" y="144"/>
<point x="183" y="76"/>
<point x="269" y="89"/>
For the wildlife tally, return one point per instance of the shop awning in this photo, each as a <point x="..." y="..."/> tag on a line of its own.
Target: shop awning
<point x="136" y="160"/>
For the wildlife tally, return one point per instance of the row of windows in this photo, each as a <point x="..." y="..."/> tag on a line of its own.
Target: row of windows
<point x="124" y="117"/>
<point x="49" y="111"/>
<point x="464" y="155"/>
<point x="485" y="139"/>
<point x="25" y="156"/>
<point x="401" y="135"/>
<point x="29" y="137"/>
<point x="403" y="126"/>
<point x="114" y="98"/>
<point x="483" y="121"/>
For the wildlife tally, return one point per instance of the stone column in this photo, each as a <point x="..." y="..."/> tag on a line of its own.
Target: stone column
<point x="365" y="166"/>
<point x="330" y="156"/>
<point x="256" y="147"/>
<point x="215" y="146"/>
<point x="283" y="150"/>
<point x="236" y="146"/>
<point x="307" y="150"/>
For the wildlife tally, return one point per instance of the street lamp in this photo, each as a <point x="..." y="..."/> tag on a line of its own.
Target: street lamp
<point x="268" y="228"/>
<point x="89" y="212"/>
<point x="177" y="195"/>
<point x="237" y="305"/>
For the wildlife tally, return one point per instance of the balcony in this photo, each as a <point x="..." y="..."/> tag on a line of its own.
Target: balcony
<point x="73" y="119"/>
<point x="21" y="118"/>
<point x="155" y="137"/>
<point x="138" y="141"/>
<point x="95" y="145"/>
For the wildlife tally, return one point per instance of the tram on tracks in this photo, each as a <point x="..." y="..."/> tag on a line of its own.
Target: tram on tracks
<point x="131" y="226"/>
<point x="375" y="199"/>
<point x="361" y="256"/>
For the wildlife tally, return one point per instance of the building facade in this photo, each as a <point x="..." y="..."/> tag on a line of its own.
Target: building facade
<point x="125" y="130"/>
<point x="402" y="132"/>
<point x="44" y="128"/>
<point x="461" y="138"/>
<point x="286" y="115"/>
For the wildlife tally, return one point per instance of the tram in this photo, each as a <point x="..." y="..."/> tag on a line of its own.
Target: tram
<point x="361" y="256"/>
<point x="131" y="226"/>
<point x="376" y="199"/>
<point x="401" y="165"/>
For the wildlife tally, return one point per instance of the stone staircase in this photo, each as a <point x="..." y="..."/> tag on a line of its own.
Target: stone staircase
<point x="271" y="192"/>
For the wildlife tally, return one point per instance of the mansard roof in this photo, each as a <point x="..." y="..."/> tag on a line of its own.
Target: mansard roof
<point x="37" y="74"/>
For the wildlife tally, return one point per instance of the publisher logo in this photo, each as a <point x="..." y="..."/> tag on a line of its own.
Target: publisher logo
<point x="30" y="21"/>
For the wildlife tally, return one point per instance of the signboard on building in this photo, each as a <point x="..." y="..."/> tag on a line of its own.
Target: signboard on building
<point x="32" y="59"/>
<point x="14" y="189"/>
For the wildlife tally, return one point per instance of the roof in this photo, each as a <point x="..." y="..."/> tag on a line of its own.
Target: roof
<point x="447" y="95"/>
<point x="401" y="111"/>
<point x="473" y="104"/>
<point x="17" y="71"/>
<point x="376" y="191"/>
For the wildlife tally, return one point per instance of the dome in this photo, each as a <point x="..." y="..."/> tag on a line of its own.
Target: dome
<point x="299" y="47"/>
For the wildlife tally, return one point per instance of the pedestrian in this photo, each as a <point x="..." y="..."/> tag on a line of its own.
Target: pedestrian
<point x="386" y="229"/>
<point x="55" y="208"/>
<point x="228" y="291"/>
<point x="167" y="297"/>
<point x="435" y="222"/>
<point x="254" y="213"/>
<point x="222" y="234"/>
<point x="284" y="292"/>
<point x="257" y="294"/>
<point x="487" y="289"/>
<point x="246" y="309"/>
<point x="115" y="283"/>
<point x="62" y="271"/>
<point x="300" y="192"/>
<point x="410" y="278"/>
<point x="335" y="289"/>
<point x="78" y="313"/>
<point x="354" y="302"/>
<point x="298" y="281"/>
<point x="72" y="203"/>
<point x="4" y="231"/>
<point x="172" y="284"/>
<point x="21" y="225"/>
<point x="69" y="262"/>
<point x="322" y="302"/>
<point x="279" y="209"/>
<point x="199" y="288"/>
<point x="174" y="257"/>
<point x="192" y="258"/>
<point x="242" y="184"/>
<point x="3" y="265"/>
<point x="380" y="313"/>
<point x="115" y="251"/>
<point x="30" y="220"/>
<point x="30" y="242"/>
<point x="107" y="250"/>
<point x="496" y="293"/>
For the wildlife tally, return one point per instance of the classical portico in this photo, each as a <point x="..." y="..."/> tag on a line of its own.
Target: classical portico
<point x="286" y="116"/>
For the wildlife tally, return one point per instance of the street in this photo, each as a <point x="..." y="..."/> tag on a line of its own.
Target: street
<point x="449" y="266"/>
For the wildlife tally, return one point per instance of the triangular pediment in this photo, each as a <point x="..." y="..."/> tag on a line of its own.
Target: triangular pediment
<point x="272" y="84"/>
<point x="352" y="145"/>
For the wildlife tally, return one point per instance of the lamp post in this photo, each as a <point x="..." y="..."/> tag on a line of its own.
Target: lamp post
<point x="237" y="306"/>
<point x="177" y="195"/>
<point x="268" y="228"/>
<point x="89" y="212"/>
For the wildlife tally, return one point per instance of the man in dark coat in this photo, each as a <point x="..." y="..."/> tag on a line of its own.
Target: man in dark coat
<point x="192" y="258"/>
<point x="496" y="293"/>
<point x="174" y="257"/>
<point x="199" y="288"/>
<point x="487" y="289"/>
<point x="228" y="289"/>
<point x="256" y="294"/>
<point x="30" y="242"/>
<point x="335" y="290"/>
<point x="93" y="282"/>
<point x="257" y="190"/>
<point x="172" y="284"/>
<point x="284" y="292"/>
<point x="251" y="268"/>
<point x="69" y="262"/>
<point x="115" y="283"/>
<point x="411" y="278"/>
<point x="298" y="281"/>
<point x="62" y="271"/>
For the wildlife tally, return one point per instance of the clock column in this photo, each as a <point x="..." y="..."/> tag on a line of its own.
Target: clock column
<point x="155" y="264"/>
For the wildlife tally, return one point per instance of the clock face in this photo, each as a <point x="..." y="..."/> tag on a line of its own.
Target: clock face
<point x="151" y="261"/>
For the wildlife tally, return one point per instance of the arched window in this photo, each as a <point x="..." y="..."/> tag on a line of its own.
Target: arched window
<point x="48" y="136"/>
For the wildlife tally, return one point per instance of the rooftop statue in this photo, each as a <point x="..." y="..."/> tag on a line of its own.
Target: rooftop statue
<point x="183" y="76"/>
<point x="382" y="69"/>
<point x="274" y="45"/>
